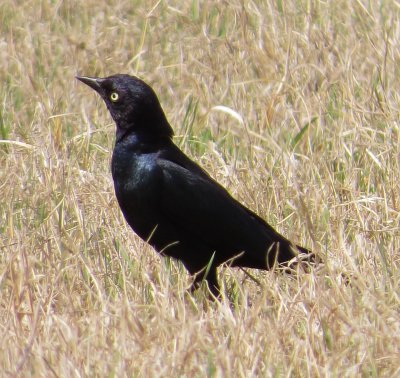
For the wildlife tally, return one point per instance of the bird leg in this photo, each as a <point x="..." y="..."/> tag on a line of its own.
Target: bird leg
<point x="211" y="280"/>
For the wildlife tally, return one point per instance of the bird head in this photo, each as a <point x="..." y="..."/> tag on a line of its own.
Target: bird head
<point x="132" y="103"/>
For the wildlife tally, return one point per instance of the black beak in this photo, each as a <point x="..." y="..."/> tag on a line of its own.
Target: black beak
<point x="92" y="82"/>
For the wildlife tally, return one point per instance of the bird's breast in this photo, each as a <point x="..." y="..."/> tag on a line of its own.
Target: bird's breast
<point x="135" y="175"/>
<point x="137" y="184"/>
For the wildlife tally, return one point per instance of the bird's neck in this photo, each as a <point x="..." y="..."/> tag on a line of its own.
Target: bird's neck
<point x="140" y="142"/>
<point x="131" y="148"/>
<point x="149" y="130"/>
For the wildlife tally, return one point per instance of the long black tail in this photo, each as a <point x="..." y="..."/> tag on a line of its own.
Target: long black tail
<point x="304" y="250"/>
<point x="307" y="256"/>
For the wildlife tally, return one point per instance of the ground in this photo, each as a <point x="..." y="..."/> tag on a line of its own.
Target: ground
<point x="292" y="106"/>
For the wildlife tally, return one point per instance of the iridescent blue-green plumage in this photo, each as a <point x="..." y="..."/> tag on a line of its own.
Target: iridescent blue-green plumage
<point x="172" y="203"/>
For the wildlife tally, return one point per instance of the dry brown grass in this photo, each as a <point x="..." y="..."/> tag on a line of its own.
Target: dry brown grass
<point x="318" y="156"/>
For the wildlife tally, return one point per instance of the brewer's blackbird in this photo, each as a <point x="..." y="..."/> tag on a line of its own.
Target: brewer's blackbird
<point x="172" y="203"/>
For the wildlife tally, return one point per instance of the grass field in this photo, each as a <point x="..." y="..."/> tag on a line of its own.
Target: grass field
<point x="307" y="136"/>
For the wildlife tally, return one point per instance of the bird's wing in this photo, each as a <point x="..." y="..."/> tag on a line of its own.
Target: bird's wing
<point x="173" y="154"/>
<point x="201" y="208"/>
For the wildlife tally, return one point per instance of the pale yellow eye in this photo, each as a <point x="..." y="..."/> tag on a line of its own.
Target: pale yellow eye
<point x="114" y="97"/>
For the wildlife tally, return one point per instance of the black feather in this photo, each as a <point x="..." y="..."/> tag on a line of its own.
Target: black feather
<point x="172" y="203"/>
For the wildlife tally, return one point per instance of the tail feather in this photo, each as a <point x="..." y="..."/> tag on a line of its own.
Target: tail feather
<point x="304" y="250"/>
<point x="307" y="256"/>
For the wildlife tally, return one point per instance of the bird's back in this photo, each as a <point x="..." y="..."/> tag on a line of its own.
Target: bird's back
<point x="172" y="203"/>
